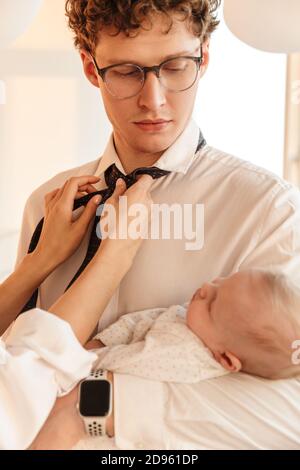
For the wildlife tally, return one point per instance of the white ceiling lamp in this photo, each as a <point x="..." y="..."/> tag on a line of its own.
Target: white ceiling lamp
<point x="15" y="17"/>
<point x="269" y="25"/>
<point x="274" y="26"/>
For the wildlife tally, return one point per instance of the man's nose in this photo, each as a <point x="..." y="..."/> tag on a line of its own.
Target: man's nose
<point x="152" y="95"/>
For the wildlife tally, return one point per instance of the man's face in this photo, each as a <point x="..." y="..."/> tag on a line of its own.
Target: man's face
<point x="154" y="101"/>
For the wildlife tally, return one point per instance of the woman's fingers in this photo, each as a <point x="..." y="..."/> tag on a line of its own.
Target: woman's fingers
<point x="120" y="189"/>
<point x="86" y="189"/>
<point x="73" y="187"/>
<point x="51" y="195"/>
<point x="50" y="199"/>
<point x="83" y="221"/>
<point x="89" y="212"/>
<point x="145" y="182"/>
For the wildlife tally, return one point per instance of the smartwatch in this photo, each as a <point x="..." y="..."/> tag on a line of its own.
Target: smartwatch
<point x="95" y="402"/>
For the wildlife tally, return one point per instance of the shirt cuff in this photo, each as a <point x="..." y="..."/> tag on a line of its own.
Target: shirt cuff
<point x="139" y="408"/>
<point x="52" y="340"/>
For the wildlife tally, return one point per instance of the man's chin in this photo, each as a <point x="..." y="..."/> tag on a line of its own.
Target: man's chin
<point x="153" y="144"/>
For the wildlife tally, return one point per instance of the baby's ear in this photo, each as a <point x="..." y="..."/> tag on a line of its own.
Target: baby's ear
<point x="229" y="361"/>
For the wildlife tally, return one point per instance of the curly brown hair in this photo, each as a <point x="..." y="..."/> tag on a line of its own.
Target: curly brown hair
<point x="86" y="18"/>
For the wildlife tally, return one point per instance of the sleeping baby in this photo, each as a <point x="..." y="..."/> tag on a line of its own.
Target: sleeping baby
<point x="246" y="322"/>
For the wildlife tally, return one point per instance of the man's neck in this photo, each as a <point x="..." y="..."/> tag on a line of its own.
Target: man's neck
<point x="131" y="161"/>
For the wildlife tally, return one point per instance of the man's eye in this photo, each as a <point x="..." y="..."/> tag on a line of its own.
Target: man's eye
<point x="125" y="72"/>
<point x="174" y="70"/>
<point x="128" y="74"/>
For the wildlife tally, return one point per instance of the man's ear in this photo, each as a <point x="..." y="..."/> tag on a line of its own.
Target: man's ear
<point x="229" y="361"/>
<point x="206" y="56"/>
<point x="89" y="68"/>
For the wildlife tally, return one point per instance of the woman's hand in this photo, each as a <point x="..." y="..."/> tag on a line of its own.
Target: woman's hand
<point x="84" y="302"/>
<point x="61" y="235"/>
<point x="59" y="239"/>
<point x="122" y="235"/>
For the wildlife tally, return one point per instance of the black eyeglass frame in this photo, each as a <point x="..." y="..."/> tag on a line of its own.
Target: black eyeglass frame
<point x="155" y="68"/>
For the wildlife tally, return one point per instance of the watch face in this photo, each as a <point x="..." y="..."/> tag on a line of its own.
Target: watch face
<point x="94" y="398"/>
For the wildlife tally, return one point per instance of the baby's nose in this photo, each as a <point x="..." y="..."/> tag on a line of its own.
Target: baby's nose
<point x="207" y="290"/>
<point x="218" y="280"/>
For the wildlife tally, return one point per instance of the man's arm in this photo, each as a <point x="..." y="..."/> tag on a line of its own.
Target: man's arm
<point x="278" y="240"/>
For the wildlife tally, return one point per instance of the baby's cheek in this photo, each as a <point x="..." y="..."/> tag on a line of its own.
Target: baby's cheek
<point x="193" y="317"/>
<point x="189" y="316"/>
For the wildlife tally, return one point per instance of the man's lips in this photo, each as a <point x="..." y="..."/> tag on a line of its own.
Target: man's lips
<point x="160" y="121"/>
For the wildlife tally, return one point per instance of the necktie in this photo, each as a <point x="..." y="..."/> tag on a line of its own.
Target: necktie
<point x="111" y="175"/>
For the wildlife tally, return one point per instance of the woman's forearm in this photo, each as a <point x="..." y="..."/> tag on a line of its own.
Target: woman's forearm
<point x="20" y="285"/>
<point x="64" y="427"/>
<point x="85" y="301"/>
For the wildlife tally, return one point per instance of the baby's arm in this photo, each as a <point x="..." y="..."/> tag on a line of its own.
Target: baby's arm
<point x="123" y="330"/>
<point x="129" y="328"/>
<point x="94" y="344"/>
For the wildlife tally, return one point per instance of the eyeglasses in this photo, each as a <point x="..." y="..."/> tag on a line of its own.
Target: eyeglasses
<point x="127" y="80"/>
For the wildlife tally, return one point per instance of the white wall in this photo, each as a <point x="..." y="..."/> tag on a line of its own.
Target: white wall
<point x="52" y="118"/>
<point x="241" y="101"/>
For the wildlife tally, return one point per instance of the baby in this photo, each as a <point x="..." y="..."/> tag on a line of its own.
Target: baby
<point x="245" y="322"/>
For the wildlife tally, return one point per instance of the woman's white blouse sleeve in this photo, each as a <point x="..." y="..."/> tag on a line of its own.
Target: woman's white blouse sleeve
<point x="40" y="359"/>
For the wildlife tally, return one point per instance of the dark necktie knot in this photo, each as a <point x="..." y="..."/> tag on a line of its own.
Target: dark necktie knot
<point x="111" y="176"/>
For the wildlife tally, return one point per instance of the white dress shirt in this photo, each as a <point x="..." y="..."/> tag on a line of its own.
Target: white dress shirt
<point x="40" y="359"/>
<point x="252" y="219"/>
<point x="156" y="344"/>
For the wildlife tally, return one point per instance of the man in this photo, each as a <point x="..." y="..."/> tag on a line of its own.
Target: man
<point x="251" y="217"/>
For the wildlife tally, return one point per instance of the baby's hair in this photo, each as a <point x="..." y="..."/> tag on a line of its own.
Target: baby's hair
<point x="281" y="328"/>
<point x="285" y="293"/>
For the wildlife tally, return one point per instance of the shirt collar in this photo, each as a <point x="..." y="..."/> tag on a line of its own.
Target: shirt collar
<point x="177" y="158"/>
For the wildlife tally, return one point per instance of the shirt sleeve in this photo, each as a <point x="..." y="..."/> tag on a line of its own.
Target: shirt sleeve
<point x="278" y="240"/>
<point x="40" y="359"/>
<point x="33" y="213"/>
<point x="237" y="411"/>
<point x="129" y="328"/>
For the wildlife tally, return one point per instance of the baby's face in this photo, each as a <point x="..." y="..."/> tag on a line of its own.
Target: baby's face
<point x="217" y="309"/>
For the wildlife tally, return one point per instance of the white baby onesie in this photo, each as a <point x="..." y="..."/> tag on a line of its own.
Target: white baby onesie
<point x="156" y="344"/>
